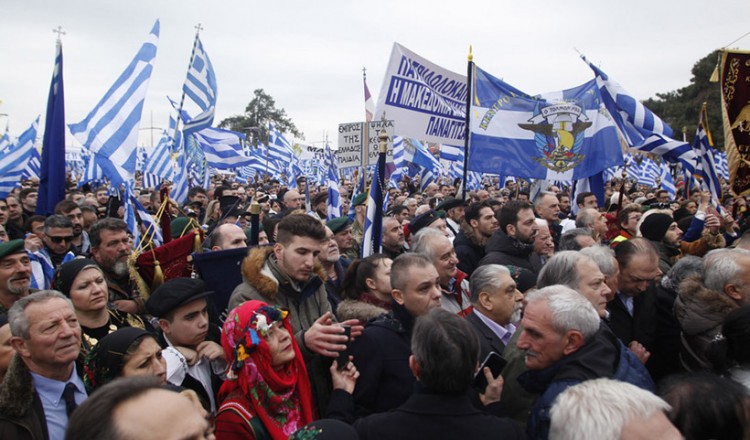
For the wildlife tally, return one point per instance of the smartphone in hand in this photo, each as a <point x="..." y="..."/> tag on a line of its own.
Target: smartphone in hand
<point x="496" y="363"/>
<point x="343" y="358"/>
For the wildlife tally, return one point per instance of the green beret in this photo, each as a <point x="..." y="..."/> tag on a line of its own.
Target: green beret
<point x="338" y="224"/>
<point x="11" y="247"/>
<point x="360" y="199"/>
<point x="178" y="226"/>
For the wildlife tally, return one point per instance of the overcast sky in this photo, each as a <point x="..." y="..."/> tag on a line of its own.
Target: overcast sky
<point x="309" y="55"/>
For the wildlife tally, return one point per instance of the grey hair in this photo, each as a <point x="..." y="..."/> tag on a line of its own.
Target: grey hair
<point x="486" y="278"/>
<point x="401" y="268"/>
<point x="569" y="309"/>
<point x="561" y="269"/>
<point x="19" y="322"/>
<point x="541" y="222"/>
<point x="540" y="197"/>
<point x="446" y="350"/>
<point x="57" y="221"/>
<point x="720" y="267"/>
<point x="568" y="239"/>
<point x="600" y="409"/>
<point x="603" y="256"/>
<point x="409" y="200"/>
<point x="585" y="217"/>
<point x="424" y="240"/>
<point x="685" y="266"/>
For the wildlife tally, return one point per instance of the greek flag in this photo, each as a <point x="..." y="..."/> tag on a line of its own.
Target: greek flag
<point x="93" y="172"/>
<point x="722" y="166"/>
<point x="261" y="164"/>
<point x="646" y="172"/>
<point x="4" y="141"/>
<point x="706" y="161"/>
<point x="424" y="158"/>
<point x="180" y="186"/>
<point x="334" y="197"/>
<point x="111" y="129"/>
<point x="33" y="167"/>
<point x="556" y="136"/>
<point x="373" y="230"/>
<point x="641" y="128"/>
<point x="134" y="212"/>
<point x="200" y="87"/>
<point x="667" y="182"/>
<point x="160" y="163"/>
<point x="222" y="148"/>
<point x="451" y="153"/>
<point x="16" y="158"/>
<point x="428" y="176"/>
<point x="278" y="147"/>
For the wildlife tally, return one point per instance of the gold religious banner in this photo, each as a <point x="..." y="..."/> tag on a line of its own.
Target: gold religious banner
<point x="735" y="99"/>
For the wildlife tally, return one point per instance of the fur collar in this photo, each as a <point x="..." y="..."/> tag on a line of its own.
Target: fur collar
<point x="257" y="274"/>
<point x="17" y="390"/>
<point x="353" y="309"/>
<point x="697" y="307"/>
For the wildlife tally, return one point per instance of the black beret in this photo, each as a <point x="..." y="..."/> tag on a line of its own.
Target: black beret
<point x="424" y="220"/>
<point x="449" y="203"/>
<point x="175" y="293"/>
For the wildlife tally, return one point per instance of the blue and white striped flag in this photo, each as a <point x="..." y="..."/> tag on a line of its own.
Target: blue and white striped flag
<point x="334" y="197"/>
<point x="373" y="230"/>
<point x="180" y="186"/>
<point x="452" y="153"/>
<point x="33" y="167"/>
<point x="4" y="141"/>
<point x="722" y="166"/>
<point x="93" y="172"/>
<point x="160" y="163"/>
<point x="641" y="128"/>
<point x="200" y="87"/>
<point x="706" y="162"/>
<point x="278" y="147"/>
<point x="16" y="158"/>
<point x="667" y="182"/>
<point x="111" y="129"/>
<point x="222" y="148"/>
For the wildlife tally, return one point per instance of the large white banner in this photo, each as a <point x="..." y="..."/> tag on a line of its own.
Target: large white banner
<point x="425" y="101"/>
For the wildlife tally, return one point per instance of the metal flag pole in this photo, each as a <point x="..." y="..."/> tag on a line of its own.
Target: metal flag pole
<point x="467" y="135"/>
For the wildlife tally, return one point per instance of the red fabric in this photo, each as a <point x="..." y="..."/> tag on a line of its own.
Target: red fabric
<point x="172" y="258"/>
<point x="281" y="399"/>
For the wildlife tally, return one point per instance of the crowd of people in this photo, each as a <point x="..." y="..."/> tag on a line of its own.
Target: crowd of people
<point x="621" y="318"/>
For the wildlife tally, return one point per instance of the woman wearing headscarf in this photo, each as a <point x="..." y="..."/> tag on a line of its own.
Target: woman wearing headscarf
<point x="267" y="392"/>
<point x="83" y="282"/>
<point x="127" y="352"/>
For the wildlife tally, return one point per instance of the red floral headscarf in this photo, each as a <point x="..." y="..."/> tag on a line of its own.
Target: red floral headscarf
<point x="280" y="398"/>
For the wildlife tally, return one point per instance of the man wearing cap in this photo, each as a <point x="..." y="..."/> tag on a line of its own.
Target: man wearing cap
<point x="342" y="232"/>
<point x="15" y="273"/>
<point x="428" y="219"/>
<point x="320" y="206"/>
<point x="478" y="226"/>
<point x="181" y="307"/>
<point x="358" y="226"/>
<point x="41" y="388"/>
<point x="662" y="231"/>
<point x="454" y="215"/>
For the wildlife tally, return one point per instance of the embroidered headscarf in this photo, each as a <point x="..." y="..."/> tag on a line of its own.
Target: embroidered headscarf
<point x="281" y="398"/>
<point x="106" y="360"/>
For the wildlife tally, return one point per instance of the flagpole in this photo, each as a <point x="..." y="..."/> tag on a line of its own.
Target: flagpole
<point x="182" y="98"/>
<point x="377" y="226"/>
<point x="467" y="138"/>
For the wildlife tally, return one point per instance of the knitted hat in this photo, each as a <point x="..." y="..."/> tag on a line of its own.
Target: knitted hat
<point x="655" y="226"/>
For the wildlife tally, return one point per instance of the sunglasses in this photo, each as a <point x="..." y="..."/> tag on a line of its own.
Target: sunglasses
<point x="59" y="240"/>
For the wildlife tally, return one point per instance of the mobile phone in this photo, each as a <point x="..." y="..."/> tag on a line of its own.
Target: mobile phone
<point x="343" y="358"/>
<point x="496" y="364"/>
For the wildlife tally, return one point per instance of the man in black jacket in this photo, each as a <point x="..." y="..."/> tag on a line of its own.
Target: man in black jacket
<point x="478" y="226"/>
<point x="513" y="243"/>
<point x="443" y="362"/>
<point x="382" y="352"/>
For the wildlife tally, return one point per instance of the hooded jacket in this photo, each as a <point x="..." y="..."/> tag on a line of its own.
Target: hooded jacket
<point x="700" y="312"/>
<point x="602" y="356"/>
<point x="21" y="412"/>
<point x="469" y="253"/>
<point x="508" y="251"/>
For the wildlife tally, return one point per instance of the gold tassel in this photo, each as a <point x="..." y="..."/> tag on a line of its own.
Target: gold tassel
<point x="158" y="273"/>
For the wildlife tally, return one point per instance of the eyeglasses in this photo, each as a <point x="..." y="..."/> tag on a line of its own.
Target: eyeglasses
<point x="59" y="240"/>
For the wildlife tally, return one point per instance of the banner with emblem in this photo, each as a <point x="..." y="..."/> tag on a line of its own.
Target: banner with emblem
<point x="566" y="135"/>
<point x="735" y="99"/>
